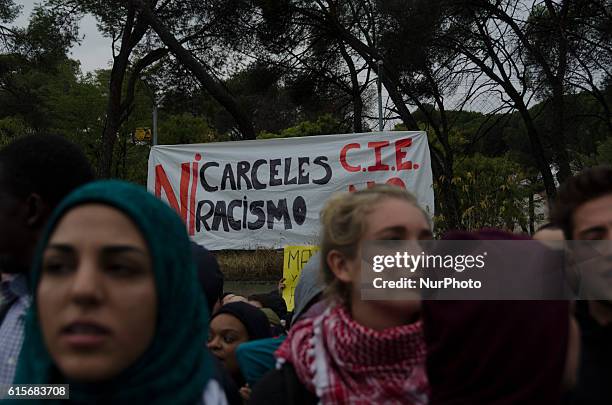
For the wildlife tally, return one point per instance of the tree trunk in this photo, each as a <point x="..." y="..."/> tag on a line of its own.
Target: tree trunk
<point x="355" y="91"/>
<point x="558" y="134"/>
<point x="505" y="82"/>
<point x="113" y="116"/>
<point x="538" y="154"/>
<point x="557" y="80"/>
<point x="132" y="33"/>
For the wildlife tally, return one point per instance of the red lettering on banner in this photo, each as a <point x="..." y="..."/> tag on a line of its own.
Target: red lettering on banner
<point x="396" y="181"/>
<point x="378" y="146"/>
<point x="185" y="175"/>
<point x="393" y="181"/>
<point x="163" y="183"/>
<point x="400" y="154"/>
<point x="192" y="204"/>
<point x="343" y="161"/>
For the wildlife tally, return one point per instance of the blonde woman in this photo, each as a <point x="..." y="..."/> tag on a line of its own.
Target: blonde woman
<point x="357" y="351"/>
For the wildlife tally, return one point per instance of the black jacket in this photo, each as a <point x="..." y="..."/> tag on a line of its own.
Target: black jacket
<point x="281" y="387"/>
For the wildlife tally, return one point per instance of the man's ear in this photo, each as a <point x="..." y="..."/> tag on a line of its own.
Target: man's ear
<point x="36" y="211"/>
<point x="339" y="265"/>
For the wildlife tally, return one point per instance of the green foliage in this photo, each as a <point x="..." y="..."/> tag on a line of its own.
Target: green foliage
<point x="493" y="192"/>
<point x="8" y="11"/>
<point x="11" y="128"/>
<point x="604" y="152"/>
<point x="48" y="37"/>
<point x="59" y="101"/>
<point x="324" y="125"/>
<point x="184" y="129"/>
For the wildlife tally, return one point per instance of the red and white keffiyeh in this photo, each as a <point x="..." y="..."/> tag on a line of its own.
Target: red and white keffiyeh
<point x="344" y="362"/>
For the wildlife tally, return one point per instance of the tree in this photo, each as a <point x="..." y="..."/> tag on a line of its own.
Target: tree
<point x="8" y="12"/>
<point x="483" y="39"/>
<point x="196" y="67"/>
<point x="311" y="58"/>
<point x="136" y="48"/>
<point x="561" y="42"/>
<point x="494" y="193"/>
<point x="116" y="20"/>
<point x="530" y="54"/>
<point x="416" y="70"/>
<point x="33" y="58"/>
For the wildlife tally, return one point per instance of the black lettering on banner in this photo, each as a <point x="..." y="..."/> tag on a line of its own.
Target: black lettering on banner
<point x="205" y="185"/>
<point x="278" y="212"/>
<point x="322" y="161"/>
<point x="242" y="171"/>
<point x="256" y="209"/>
<point x="228" y="174"/>
<point x="299" y="210"/>
<point x="235" y="225"/>
<point x="245" y="205"/>
<point x="220" y="217"/>
<point x="303" y="178"/>
<point x="202" y="219"/>
<point x="274" y="181"/>
<point x="257" y="185"/>
<point x="288" y="171"/>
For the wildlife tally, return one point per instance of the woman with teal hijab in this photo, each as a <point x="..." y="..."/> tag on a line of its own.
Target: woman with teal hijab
<point x="117" y="311"/>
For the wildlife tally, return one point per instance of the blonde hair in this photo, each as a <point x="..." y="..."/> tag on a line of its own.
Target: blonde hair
<point x="343" y="224"/>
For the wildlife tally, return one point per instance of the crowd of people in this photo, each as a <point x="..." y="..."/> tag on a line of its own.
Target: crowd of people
<point x="103" y="290"/>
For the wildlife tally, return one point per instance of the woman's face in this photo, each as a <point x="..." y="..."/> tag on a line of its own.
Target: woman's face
<point x="390" y="219"/>
<point x="226" y="333"/>
<point x="395" y="219"/>
<point x="97" y="300"/>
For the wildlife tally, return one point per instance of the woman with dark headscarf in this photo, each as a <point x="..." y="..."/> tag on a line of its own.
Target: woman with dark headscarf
<point x="231" y="325"/>
<point x="498" y="352"/>
<point x="117" y="311"/>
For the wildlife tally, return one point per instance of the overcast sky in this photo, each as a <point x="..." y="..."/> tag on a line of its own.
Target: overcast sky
<point x="94" y="51"/>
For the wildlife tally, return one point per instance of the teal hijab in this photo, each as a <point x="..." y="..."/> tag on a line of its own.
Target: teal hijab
<point x="175" y="368"/>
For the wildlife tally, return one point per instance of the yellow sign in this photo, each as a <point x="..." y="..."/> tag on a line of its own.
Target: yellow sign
<point x="294" y="260"/>
<point x="142" y="134"/>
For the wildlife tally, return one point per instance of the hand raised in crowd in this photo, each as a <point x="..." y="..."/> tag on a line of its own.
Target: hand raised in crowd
<point x="245" y="392"/>
<point x="281" y="286"/>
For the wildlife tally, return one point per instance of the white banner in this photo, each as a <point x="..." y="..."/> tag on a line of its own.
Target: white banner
<point x="268" y="193"/>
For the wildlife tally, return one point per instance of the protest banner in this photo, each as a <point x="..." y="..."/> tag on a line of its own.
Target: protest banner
<point x="294" y="260"/>
<point x="268" y="193"/>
